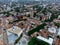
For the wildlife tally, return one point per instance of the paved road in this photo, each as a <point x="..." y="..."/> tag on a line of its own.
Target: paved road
<point x="5" y="38"/>
<point x="55" y="36"/>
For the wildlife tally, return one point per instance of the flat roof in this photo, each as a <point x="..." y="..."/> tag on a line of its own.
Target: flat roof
<point x="52" y="30"/>
<point x="50" y="40"/>
<point x="15" y="30"/>
<point x="58" y="32"/>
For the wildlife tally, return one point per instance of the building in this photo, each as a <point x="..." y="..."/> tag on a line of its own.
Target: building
<point x="52" y="30"/>
<point x="50" y="40"/>
<point x="58" y="32"/>
<point x="13" y="33"/>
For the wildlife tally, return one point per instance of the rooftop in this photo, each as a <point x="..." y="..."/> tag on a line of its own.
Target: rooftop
<point x="15" y="30"/>
<point x="50" y="40"/>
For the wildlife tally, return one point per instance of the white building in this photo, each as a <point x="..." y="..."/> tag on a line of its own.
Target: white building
<point x="58" y="32"/>
<point x="52" y="30"/>
<point x="50" y="40"/>
<point x="48" y="15"/>
<point x="8" y="8"/>
<point x="58" y="16"/>
<point x="14" y="33"/>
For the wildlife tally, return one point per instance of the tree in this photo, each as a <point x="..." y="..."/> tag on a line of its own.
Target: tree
<point x="44" y="11"/>
<point x="7" y="13"/>
<point x="35" y="41"/>
<point x="40" y="17"/>
<point x="53" y="16"/>
<point x="58" y="36"/>
<point x="17" y="9"/>
<point x="17" y="40"/>
<point x="39" y="9"/>
<point x="34" y="15"/>
<point x="28" y="15"/>
<point x="36" y="29"/>
<point x="57" y="24"/>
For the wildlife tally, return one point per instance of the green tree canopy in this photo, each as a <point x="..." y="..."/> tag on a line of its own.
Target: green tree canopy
<point x="36" y="29"/>
<point x="35" y="41"/>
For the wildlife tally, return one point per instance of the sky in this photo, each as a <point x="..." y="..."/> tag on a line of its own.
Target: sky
<point x="36" y="0"/>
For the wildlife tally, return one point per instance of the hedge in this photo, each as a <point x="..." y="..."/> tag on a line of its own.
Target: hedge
<point x="57" y="24"/>
<point x="16" y="41"/>
<point x="36" y="29"/>
<point x="35" y="41"/>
